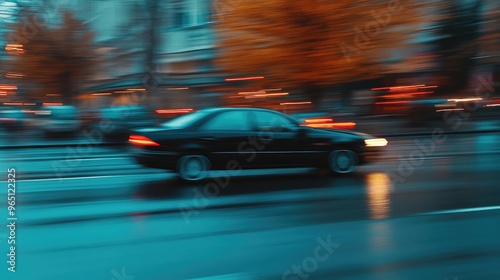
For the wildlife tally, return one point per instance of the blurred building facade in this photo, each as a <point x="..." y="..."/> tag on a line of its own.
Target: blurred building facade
<point x="181" y="73"/>
<point x="8" y="15"/>
<point x="3" y="56"/>
<point x="417" y="63"/>
<point x="488" y="59"/>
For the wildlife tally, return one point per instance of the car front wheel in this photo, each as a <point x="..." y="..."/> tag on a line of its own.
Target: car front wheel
<point x="193" y="167"/>
<point x="342" y="161"/>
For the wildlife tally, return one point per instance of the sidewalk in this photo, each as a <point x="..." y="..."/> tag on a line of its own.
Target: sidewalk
<point x="36" y="139"/>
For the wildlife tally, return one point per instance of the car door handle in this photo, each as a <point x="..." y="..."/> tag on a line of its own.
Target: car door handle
<point x="208" y="138"/>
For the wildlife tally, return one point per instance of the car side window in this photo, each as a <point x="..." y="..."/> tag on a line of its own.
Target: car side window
<point x="269" y="120"/>
<point x="235" y="120"/>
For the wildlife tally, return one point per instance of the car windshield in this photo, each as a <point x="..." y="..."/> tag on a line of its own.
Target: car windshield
<point x="184" y="120"/>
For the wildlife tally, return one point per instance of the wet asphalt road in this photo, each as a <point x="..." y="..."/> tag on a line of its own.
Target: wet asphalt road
<point x="95" y="214"/>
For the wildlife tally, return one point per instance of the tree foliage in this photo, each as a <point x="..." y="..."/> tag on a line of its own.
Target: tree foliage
<point x="310" y="44"/>
<point x="57" y="58"/>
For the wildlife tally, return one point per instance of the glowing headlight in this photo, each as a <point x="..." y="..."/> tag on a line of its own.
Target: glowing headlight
<point x="376" y="142"/>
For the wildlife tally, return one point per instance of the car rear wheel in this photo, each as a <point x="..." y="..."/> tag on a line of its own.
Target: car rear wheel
<point x="193" y="167"/>
<point x="342" y="161"/>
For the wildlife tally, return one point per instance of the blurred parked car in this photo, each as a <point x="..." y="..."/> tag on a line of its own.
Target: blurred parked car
<point x="12" y="119"/>
<point x="89" y="118"/>
<point x="124" y="119"/>
<point x="60" y="119"/>
<point x="234" y="138"/>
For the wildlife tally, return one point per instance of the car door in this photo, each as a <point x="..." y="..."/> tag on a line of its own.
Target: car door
<point x="277" y="140"/>
<point x="224" y="135"/>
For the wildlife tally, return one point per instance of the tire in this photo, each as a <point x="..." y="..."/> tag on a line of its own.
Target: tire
<point x="193" y="168"/>
<point x="342" y="161"/>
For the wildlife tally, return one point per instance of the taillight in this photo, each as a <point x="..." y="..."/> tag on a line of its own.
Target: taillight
<point x="328" y="123"/>
<point x="140" y="140"/>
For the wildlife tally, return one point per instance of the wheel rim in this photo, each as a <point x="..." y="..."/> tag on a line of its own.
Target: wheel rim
<point x="193" y="168"/>
<point x="343" y="161"/>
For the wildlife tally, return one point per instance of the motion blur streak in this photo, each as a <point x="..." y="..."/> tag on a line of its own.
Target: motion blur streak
<point x="379" y="190"/>
<point x="248" y="139"/>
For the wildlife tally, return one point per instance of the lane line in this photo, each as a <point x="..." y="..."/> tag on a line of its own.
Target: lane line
<point x="232" y="174"/>
<point x="65" y="179"/>
<point x="462" y="210"/>
<point x="104" y="158"/>
<point x="63" y="159"/>
<point x="95" y="177"/>
<point x="235" y="276"/>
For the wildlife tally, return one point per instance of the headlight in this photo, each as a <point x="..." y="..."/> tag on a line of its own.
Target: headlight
<point x="376" y="142"/>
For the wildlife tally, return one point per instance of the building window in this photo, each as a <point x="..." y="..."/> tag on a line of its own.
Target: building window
<point x="133" y="12"/>
<point x="190" y="13"/>
<point x="202" y="11"/>
<point x="179" y="14"/>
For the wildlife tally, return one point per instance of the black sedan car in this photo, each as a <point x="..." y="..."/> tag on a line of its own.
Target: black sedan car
<point x="236" y="138"/>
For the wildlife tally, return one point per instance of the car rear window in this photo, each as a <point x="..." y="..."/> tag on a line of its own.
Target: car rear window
<point x="184" y="120"/>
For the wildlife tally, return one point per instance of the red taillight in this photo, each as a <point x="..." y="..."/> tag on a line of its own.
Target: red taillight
<point x="140" y="140"/>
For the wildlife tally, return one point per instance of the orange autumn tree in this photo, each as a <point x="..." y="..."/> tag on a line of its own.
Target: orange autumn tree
<point x="311" y="44"/>
<point x="55" y="59"/>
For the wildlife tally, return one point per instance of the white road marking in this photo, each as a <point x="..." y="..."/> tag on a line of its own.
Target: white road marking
<point x="65" y="179"/>
<point x="463" y="210"/>
<point x="64" y="159"/>
<point x="93" y="177"/>
<point x="236" y="276"/>
<point x="101" y="159"/>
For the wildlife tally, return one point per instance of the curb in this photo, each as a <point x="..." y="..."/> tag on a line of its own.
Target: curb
<point x="61" y="145"/>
